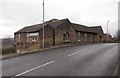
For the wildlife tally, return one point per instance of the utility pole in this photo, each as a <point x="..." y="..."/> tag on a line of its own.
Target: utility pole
<point x="43" y="26"/>
<point x="107" y="29"/>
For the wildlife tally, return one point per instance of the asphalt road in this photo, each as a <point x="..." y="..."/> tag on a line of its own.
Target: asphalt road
<point x="79" y="60"/>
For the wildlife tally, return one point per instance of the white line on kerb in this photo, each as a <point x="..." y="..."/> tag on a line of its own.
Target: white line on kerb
<point x="76" y="52"/>
<point x="33" y="69"/>
<point x="116" y="71"/>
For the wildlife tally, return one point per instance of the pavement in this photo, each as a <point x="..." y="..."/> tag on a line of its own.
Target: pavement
<point x="77" y="60"/>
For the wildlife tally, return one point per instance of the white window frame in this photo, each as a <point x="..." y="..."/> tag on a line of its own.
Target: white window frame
<point x="19" y="37"/>
<point x="85" y="36"/>
<point x="31" y="35"/>
<point x="28" y="37"/>
<point x="79" y="35"/>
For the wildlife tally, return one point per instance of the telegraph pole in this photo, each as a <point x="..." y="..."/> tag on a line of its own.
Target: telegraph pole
<point x="107" y="29"/>
<point x="43" y="26"/>
<point x="107" y="26"/>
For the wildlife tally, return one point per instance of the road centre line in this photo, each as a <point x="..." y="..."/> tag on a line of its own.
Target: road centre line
<point x="6" y="60"/>
<point x="76" y="52"/>
<point x="32" y="69"/>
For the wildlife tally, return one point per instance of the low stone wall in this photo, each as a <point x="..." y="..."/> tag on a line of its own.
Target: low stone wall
<point x="8" y="50"/>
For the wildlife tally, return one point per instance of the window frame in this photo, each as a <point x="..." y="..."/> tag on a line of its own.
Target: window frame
<point x="33" y="38"/>
<point x="85" y="36"/>
<point x="79" y="36"/>
<point x="66" y="37"/>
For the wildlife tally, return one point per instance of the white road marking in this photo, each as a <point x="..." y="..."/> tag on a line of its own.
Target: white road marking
<point x="6" y="60"/>
<point x="76" y="52"/>
<point x="33" y="69"/>
<point x="116" y="71"/>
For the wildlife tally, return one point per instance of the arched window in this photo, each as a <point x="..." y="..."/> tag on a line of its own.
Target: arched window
<point x="66" y="37"/>
<point x="33" y="38"/>
<point x="85" y="36"/>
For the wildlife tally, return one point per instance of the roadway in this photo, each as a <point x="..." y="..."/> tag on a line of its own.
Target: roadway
<point x="78" y="60"/>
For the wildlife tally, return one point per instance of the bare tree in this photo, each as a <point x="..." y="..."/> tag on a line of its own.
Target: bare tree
<point x="7" y="42"/>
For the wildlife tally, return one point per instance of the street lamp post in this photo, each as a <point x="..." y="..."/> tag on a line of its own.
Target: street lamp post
<point x="107" y="29"/>
<point x="43" y="26"/>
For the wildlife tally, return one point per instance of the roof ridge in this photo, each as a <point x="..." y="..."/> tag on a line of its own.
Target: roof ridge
<point x="80" y="24"/>
<point x="95" y="26"/>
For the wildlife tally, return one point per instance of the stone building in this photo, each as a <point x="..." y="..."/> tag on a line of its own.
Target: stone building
<point x="107" y="38"/>
<point x="57" y="32"/>
<point x="30" y="38"/>
<point x="99" y="33"/>
<point x="88" y="34"/>
<point x="64" y="33"/>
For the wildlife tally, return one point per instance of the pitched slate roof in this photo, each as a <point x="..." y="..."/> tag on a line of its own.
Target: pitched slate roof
<point x="32" y="28"/>
<point x="97" y="29"/>
<point x="79" y="27"/>
<point x="54" y="23"/>
<point x="83" y="28"/>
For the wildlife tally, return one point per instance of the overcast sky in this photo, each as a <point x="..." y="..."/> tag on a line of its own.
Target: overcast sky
<point x="16" y="14"/>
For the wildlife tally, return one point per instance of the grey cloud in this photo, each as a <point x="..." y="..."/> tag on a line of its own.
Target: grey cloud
<point x="89" y="12"/>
